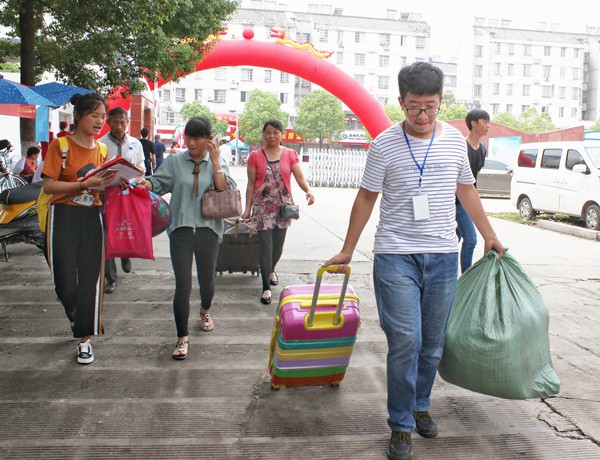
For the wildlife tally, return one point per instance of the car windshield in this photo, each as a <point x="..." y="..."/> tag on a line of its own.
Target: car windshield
<point x="594" y="153"/>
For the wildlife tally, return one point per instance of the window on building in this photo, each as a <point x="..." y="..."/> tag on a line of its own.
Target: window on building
<point x="497" y="47"/>
<point x="477" y="70"/>
<point x="197" y="94"/>
<point x="247" y="74"/>
<point x="496" y="68"/>
<point x="340" y="36"/>
<point x="477" y="90"/>
<point x="526" y="90"/>
<point x="221" y="73"/>
<point x="359" y="59"/>
<point x="545" y="109"/>
<point x="547" y="90"/>
<point x="305" y="37"/>
<point x="385" y="39"/>
<point x="339" y="57"/>
<point x="547" y="70"/>
<point x="510" y="69"/>
<point x="360" y="78"/>
<point x="575" y="73"/>
<point x="511" y="48"/>
<point x="524" y="108"/>
<point x="324" y="35"/>
<point x="166" y="95"/>
<point x="244" y="96"/>
<point x="421" y="42"/>
<point x="220" y="95"/>
<point x="576" y="52"/>
<point x="574" y="93"/>
<point x="284" y="77"/>
<point x="547" y="50"/>
<point x="268" y="74"/>
<point x="384" y="61"/>
<point x="495" y="89"/>
<point x="508" y="108"/>
<point x="526" y="50"/>
<point x="562" y="72"/>
<point x="478" y="51"/>
<point x="170" y="118"/>
<point x="383" y="100"/>
<point x="562" y="90"/>
<point x="403" y="60"/>
<point x="563" y="52"/>
<point x="179" y="94"/>
<point x="527" y="70"/>
<point x="383" y="82"/>
<point x="449" y="80"/>
<point x="402" y="39"/>
<point x="283" y="98"/>
<point x="574" y="113"/>
<point x="495" y="108"/>
<point x="358" y="37"/>
<point x="509" y="89"/>
<point x="561" y="112"/>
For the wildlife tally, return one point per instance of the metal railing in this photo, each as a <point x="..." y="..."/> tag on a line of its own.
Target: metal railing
<point x="336" y="168"/>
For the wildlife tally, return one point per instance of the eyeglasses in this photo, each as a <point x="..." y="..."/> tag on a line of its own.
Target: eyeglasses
<point x="429" y="111"/>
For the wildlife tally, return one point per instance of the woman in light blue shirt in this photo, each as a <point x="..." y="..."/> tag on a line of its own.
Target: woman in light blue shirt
<point x="187" y="175"/>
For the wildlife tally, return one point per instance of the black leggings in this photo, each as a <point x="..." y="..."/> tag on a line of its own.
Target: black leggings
<point x="271" y="248"/>
<point x="185" y="243"/>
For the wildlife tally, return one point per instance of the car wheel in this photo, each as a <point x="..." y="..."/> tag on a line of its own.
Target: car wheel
<point x="591" y="217"/>
<point x="526" y="209"/>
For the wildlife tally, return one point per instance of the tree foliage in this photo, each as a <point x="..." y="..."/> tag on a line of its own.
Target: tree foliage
<point x="595" y="126"/>
<point x="260" y="107"/>
<point x="528" y="122"/>
<point x="320" y="116"/>
<point x="107" y="44"/>
<point x="195" y="109"/>
<point x="395" y="112"/>
<point x="453" y="112"/>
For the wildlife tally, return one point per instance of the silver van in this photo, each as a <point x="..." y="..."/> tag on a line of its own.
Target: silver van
<point x="558" y="177"/>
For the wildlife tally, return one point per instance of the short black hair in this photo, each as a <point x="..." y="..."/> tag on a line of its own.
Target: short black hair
<point x="117" y="111"/>
<point x="86" y="103"/>
<point x="144" y="132"/>
<point x="476" y="115"/>
<point x="198" y="127"/>
<point x="273" y="123"/>
<point x="33" y="150"/>
<point x="421" y="78"/>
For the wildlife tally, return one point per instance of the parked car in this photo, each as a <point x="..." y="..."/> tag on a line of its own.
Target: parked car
<point x="494" y="178"/>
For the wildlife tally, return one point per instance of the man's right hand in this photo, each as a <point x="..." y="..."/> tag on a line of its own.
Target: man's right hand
<point x="341" y="259"/>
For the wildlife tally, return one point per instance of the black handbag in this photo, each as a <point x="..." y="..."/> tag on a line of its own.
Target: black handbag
<point x="286" y="211"/>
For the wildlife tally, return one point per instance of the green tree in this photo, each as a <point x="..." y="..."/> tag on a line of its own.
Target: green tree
<point x="506" y="119"/>
<point x="453" y="112"/>
<point x="595" y="126"/>
<point x="195" y="109"/>
<point x="108" y="44"/>
<point x="260" y="107"/>
<point x="320" y="116"/>
<point x="395" y="112"/>
<point x="528" y="122"/>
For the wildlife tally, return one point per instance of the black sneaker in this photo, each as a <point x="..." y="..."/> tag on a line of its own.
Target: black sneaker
<point x="126" y="265"/>
<point x="400" y="447"/>
<point x="426" y="427"/>
<point x="85" y="354"/>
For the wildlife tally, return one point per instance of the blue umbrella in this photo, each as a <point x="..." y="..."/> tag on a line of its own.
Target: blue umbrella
<point x="59" y="93"/>
<point x="15" y="93"/>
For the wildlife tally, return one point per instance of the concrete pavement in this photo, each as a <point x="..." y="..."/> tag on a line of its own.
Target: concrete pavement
<point x="135" y="401"/>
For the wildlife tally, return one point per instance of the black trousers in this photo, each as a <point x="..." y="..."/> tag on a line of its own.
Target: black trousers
<point x="76" y="255"/>
<point x="271" y="248"/>
<point x="186" y="243"/>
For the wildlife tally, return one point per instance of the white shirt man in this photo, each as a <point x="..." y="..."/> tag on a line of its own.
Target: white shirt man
<point x="225" y="152"/>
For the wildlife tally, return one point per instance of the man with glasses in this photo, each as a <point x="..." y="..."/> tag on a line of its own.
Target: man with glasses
<point x="418" y="166"/>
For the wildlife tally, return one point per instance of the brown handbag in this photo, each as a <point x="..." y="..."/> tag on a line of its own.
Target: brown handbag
<point x="221" y="204"/>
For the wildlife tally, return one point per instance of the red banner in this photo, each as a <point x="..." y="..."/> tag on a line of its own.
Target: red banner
<point x="291" y="136"/>
<point x="18" y="110"/>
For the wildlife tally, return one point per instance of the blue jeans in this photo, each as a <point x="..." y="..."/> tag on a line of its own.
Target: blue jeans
<point x="414" y="296"/>
<point x="466" y="231"/>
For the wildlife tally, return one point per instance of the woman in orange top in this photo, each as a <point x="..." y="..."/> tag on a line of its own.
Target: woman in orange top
<point x="74" y="227"/>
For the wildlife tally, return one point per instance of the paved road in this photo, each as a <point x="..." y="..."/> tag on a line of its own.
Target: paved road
<point x="136" y="402"/>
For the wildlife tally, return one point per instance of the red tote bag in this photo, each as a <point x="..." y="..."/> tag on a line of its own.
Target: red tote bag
<point x="128" y="219"/>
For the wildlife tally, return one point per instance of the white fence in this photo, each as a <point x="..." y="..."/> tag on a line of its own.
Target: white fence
<point x="336" y="168"/>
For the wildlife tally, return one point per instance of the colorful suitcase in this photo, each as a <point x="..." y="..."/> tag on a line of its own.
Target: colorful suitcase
<point x="240" y="248"/>
<point x="314" y="334"/>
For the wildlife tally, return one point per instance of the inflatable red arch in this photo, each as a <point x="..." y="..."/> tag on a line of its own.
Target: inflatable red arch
<point x="297" y="62"/>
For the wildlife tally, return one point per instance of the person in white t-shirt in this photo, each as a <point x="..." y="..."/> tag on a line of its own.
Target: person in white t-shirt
<point x="418" y="166"/>
<point x="225" y="151"/>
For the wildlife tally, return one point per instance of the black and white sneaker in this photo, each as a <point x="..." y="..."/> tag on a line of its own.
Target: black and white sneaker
<point x="85" y="354"/>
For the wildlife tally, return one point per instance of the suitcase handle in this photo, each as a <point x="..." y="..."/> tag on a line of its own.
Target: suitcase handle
<point x="313" y="306"/>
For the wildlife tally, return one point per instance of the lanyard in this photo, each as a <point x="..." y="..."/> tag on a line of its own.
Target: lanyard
<point x="422" y="166"/>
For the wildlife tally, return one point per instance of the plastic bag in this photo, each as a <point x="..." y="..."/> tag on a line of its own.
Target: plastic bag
<point x="497" y="337"/>
<point x="128" y="223"/>
<point x="161" y="214"/>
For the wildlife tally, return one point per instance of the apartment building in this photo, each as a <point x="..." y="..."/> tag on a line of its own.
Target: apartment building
<point x="370" y="50"/>
<point x="511" y="70"/>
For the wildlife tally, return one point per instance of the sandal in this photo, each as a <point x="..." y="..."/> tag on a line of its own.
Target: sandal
<point x="274" y="282"/>
<point x="266" y="299"/>
<point x="206" y="323"/>
<point x="181" y="350"/>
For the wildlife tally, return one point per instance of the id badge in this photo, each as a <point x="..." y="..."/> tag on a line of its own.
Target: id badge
<point x="421" y="207"/>
<point x="85" y="199"/>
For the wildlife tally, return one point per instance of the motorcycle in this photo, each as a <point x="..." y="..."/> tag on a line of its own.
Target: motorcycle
<point x="18" y="217"/>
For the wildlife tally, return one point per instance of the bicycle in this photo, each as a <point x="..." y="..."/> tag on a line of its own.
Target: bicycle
<point x="7" y="178"/>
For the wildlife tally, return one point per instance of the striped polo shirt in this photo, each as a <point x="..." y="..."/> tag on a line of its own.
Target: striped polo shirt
<point x="391" y="170"/>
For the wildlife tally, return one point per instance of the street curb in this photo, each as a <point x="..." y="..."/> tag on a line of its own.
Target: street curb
<point x="569" y="229"/>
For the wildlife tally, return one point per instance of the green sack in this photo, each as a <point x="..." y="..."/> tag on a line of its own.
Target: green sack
<point x="497" y="338"/>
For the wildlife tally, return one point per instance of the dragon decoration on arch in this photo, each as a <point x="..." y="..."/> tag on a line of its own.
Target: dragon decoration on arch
<point x="280" y="37"/>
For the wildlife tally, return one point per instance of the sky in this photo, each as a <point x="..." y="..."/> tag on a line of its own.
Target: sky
<point x="450" y="21"/>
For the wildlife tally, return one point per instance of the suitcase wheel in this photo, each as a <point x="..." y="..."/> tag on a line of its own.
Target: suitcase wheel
<point x="275" y="387"/>
<point x="335" y="384"/>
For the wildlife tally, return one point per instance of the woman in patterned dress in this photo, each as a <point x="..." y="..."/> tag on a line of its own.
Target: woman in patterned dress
<point x="269" y="186"/>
